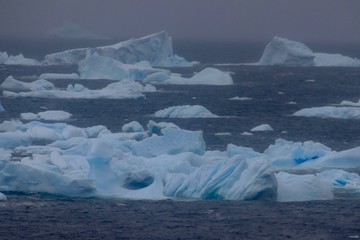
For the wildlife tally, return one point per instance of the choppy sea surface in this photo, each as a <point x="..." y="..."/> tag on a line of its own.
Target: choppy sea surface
<point x="273" y="95"/>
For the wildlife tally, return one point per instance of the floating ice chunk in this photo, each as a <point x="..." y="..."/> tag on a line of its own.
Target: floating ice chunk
<point x="222" y="134"/>
<point x="262" y="128"/>
<point x="11" y="140"/>
<point x="349" y="103"/>
<point x="125" y="89"/>
<point x="95" y="131"/>
<point x="156" y="128"/>
<point x="245" y="152"/>
<point x="173" y="141"/>
<point x="247" y="134"/>
<point x="39" y="133"/>
<point x="328" y="60"/>
<point x="281" y="51"/>
<point x="11" y="84"/>
<point x="2" y="197"/>
<point x="1" y="108"/>
<point x="233" y="179"/>
<point x="186" y="111"/>
<point x="15" y="176"/>
<point x="155" y="48"/>
<point x="133" y="126"/>
<point x="17" y="60"/>
<point x="54" y="115"/>
<point x="330" y="112"/>
<point x="302" y="188"/>
<point x="59" y="76"/>
<point x="157" y="77"/>
<point x="241" y="98"/>
<point x="208" y="76"/>
<point x="287" y="153"/>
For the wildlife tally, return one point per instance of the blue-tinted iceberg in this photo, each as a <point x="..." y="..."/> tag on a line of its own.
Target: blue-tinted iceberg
<point x="17" y="60"/>
<point x="185" y="111"/>
<point x="281" y="51"/>
<point x="156" y="49"/>
<point x="11" y="84"/>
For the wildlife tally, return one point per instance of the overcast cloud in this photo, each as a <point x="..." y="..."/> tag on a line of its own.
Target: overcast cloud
<point x="219" y="20"/>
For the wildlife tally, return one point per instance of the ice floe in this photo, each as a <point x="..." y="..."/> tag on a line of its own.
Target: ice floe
<point x="59" y="76"/>
<point x="330" y="112"/>
<point x="281" y="51"/>
<point x="53" y="115"/>
<point x="185" y="111"/>
<point x="262" y="128"/>
<point x="155" y="48"/>
<point x="125" y="89"/>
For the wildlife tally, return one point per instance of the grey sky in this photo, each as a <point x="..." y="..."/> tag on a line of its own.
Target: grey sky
<point x="251" y="20"/>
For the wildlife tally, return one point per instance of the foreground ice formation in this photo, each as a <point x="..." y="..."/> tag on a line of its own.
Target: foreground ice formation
<point x="185" y="111"/>
<point x="17" y="60"/>
<point x="156" y="49"/>
<point x="125" y="89"/>
<point x="285" y="52"/>
<point x="164" y="161"/>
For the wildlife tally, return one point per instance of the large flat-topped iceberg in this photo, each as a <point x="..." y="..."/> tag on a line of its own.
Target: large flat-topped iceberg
<point x="155" y="48"/>
<point x="281" y="51"/>
<point x="17" y="60"/>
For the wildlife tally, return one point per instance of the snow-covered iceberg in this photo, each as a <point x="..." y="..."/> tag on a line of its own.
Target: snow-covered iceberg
<point x="155" y="48"/>
<point x="281" y="51"/>
<point x="17" y="60"/>
<point x="125" y="89"/>
<point x="186" y="111"/>
<point x="262" y="128"/>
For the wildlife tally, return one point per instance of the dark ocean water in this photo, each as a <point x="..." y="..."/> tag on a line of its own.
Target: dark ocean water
<point x="271" y="90"/>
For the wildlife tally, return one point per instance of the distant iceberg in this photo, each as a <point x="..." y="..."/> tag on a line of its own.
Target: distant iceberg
<point x="330" y="112"/>
<point x="17" y="60"/>
<point x="12" y="84"/>
<point x="155" y="48"/>
<point x="52" y="115"/>
<point x="185" y="111"/>
<point x="49" y="76"/>
<point x="281" y="51"/>
<point x="262" y="128"/>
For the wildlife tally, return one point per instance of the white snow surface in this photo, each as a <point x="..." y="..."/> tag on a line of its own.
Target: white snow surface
<point x="125" y="89"/>
<point x="185" y="111"/>
<point x="155" y="48"/>
<point x="281" y="51"/>
<point x="52" y="115"/>
<point x="17" y="60"/>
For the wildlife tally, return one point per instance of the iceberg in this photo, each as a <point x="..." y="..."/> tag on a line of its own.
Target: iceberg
<point x="350" y="103"/>
<point x="281" y="51"/>
<point x="207" y="76"/>
<point x="155" y="48"/>
<point x="50" y="76"/>
<point x="17" y="60"/>
<point x="330" y="112"/>
<point x="262" y="128"/>
<point x="11" y="84"/>
<point x="186" y="111"/>
<point x="2" y="197"/>
<point x="133" y="126"/>
<point x="125" y="89"/>
<point x="53" y="115"/>
<point x="340" y="178"/>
